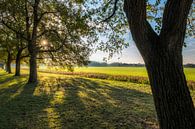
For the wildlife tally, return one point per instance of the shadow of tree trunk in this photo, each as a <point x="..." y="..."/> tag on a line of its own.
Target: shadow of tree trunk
<point x="21" y="109"/>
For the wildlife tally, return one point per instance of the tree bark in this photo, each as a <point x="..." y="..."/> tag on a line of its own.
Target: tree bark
<point x="162" y="55"/>
<point x="33" y="68"/>
<point x="8" y="63"/>
<point x="172" y="98"/>
<point x="32" y="41"/>
<point x="18" y="57"/>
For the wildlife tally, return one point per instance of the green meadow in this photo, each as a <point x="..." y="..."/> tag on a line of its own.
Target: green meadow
<point x="72" y="102"/>
<point x="131" y="71"/>
<point x="67" y="102"/>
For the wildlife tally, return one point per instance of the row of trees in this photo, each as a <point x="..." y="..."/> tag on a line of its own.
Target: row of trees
<point x="11" y="49"/>
<point x="52" y="32"/>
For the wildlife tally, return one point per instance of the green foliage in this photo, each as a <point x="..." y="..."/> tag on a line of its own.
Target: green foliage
<point x="112" y="33"/>
<point x="63" y="24"/>
<point x="7" y="44"/>
<point x="114" y="28"/>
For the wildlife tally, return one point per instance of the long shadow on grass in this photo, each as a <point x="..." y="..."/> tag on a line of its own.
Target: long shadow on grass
<point x="6" y="78"/>
<point x="9" y="77"/>
<point x="20" y="108"/>
<point x="74" y="103"/>
<point x="95" y="104"/>
<point x="3" y="74"/>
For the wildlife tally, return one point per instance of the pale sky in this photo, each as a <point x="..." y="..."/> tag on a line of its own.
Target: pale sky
<point x="131" y="54"/>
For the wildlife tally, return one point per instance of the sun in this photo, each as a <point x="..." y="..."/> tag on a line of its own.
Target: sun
<point x="44" y="42"/>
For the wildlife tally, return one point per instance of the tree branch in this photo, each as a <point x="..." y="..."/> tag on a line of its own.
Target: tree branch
<point x="24" y="56"/>
<point x="51" y="50"/>
<point x="27" y="21"/>
<point x="16" y="31"/>
<point x="42" y="15"/>
<point x="175" y="16"/>
<point x="174" y="23"/>
<point x="35" y="20"/>
<point x="141" y="30"/>
<point x="47" y="31"/>
<point x="113" y="13"/>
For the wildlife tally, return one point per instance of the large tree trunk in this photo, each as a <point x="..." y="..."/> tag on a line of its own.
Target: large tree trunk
<point x="33" y="50"/>
<point x="18" y="56"/>
<point x="162" y="55"/>
<point x="172" y="98"/>
<point x="8" y="63"/>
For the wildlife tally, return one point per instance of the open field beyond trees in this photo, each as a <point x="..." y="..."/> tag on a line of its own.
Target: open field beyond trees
<point x="126" y="74"/>
<point x="130" y="71"/>
<point x="73" y="102"/>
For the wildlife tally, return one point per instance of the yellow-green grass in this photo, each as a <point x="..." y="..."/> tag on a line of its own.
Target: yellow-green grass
<point x="67" y="102"/>
<point x="72" y="102"/>
<point x="131" y="71"/>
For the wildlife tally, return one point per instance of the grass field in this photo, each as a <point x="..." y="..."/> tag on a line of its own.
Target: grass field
<point x="72" y="102"/>
<point x="67" y="102"/>
<point x="135" y="71"/>
<point x="132" y="71"/>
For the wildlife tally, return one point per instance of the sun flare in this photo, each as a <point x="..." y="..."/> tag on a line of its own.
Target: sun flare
<point x="44" y="42"/>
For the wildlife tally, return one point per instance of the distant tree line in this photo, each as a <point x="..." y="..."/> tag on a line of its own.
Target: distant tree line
<point x="189" y="65"/>
<point x="118" y="64"/>
<point x="114" y="64"/>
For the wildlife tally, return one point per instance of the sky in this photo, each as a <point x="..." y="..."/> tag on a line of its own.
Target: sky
<point x="132" y="55"/>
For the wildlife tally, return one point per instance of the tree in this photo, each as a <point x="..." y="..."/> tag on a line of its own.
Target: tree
<point x="6" y="48"/>
<point x="21" y="53"/>
<point x="32" y="20"/>
<point x="13" y="48"/>
<point x="61" y="50"/>
<point x="161" y="51"/>
<point x="162" y="55"/>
